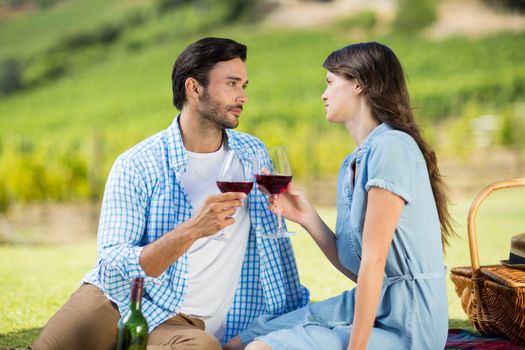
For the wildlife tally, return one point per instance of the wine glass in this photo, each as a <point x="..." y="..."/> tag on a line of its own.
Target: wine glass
<point x="275" y="180"/>
<point x="234" y="176"/>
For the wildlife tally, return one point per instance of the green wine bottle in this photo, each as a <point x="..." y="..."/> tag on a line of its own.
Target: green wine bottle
<point x="132" y="327"/>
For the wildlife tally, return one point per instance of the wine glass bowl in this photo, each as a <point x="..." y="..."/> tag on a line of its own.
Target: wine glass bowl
<point x="234" y="176"/>
<point x="274" y="184"/>
<point x="274" y="179"/>
<point x="235" y="186"/>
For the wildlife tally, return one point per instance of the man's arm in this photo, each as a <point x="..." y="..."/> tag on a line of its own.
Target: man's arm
<point x="215" y="215"/>
<point x="123" y="223"/>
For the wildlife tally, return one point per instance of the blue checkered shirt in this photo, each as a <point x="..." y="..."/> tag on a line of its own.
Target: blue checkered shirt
<point x="144" y="199"/>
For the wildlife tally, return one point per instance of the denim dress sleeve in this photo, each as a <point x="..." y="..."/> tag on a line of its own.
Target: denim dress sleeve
<point x="391" y="164"/>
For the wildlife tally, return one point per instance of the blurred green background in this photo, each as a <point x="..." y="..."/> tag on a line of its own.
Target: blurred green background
<point x="82" y="81"/>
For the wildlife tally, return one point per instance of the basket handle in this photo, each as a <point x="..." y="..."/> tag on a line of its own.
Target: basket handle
<point x="472" y="239"/>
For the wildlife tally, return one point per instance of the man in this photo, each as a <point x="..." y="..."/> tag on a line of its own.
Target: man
<point x="160" y="217"/>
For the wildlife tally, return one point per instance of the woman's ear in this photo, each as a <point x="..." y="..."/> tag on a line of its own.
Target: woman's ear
<point x="193" y="89"/>
<point x="358" y="88"/>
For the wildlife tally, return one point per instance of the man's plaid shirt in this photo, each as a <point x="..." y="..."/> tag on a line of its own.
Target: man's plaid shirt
<point x="144" y="199"/>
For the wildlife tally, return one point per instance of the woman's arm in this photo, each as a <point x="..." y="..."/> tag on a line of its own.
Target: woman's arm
<point x="296" y="207"/>
<point x="325" y="239"/>
<point x="382" y="215"/>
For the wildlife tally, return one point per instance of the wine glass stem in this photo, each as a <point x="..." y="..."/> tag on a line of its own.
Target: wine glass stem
<point x="279" y="215"/>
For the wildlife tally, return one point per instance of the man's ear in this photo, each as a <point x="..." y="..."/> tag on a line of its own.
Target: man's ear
<point x="193" y="89"/>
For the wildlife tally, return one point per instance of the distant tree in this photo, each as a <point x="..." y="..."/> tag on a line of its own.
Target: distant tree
<point x="238" y="9"/>
<point x="235" y="9"/>
<point x="44" y="3"/>
<point x="10" y="76"/>
<point x="414" y="15"/>
<point x="518" y="5"/>
<point x="15" y="3"/>
<point x="169" y="5"/>
<point x="37" y="3"/>
<point x="4" y="198"/>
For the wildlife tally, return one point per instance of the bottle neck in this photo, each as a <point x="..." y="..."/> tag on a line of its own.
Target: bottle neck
<point x="135" y="306"/>
<point x="135" y="299"/>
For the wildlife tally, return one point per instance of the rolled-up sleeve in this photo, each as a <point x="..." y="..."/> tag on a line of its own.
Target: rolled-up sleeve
<point x="121" y="229"/>
<point x="391" y="165"/>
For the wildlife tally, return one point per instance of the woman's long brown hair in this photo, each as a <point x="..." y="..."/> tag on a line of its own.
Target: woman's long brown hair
<point x="381" y="76"/>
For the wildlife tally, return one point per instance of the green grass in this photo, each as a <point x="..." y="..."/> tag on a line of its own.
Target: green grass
<point x="31" y="33"/>
<point x="36" y="280"/>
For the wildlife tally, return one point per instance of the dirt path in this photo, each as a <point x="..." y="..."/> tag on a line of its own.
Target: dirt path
<point x="470" y="18"/>
<point x="301" y="14"/>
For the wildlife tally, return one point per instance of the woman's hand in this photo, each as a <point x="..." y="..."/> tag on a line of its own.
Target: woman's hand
<point x="297" y="208"/>
<point x="293" y="204"/>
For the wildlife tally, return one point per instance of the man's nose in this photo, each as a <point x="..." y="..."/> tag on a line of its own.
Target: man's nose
<point x="243" y="98"/>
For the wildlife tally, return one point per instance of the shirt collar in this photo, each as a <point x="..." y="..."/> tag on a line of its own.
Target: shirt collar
<point x="363" y="147"/>
<point x="234" y="144"/>
<point x="177" y="156"/>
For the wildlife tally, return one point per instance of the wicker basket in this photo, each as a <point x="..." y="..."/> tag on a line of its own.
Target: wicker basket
<point x="493" y="297"/>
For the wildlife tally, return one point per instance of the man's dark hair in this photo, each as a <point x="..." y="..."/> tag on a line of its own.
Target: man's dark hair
<point x="198" y="59"/>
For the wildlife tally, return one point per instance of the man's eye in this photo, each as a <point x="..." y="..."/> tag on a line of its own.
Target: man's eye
<point x="232" y="83"/>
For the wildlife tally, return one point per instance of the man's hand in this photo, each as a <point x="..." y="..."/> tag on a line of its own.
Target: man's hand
<point x="216" y="213"/>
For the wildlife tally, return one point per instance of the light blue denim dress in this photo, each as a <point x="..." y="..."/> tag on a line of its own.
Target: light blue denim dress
<point x="412" y="312"/>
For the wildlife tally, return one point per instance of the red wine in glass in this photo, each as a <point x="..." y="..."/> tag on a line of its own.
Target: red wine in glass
<point x="274" y="175"/>
<point x="235" y="186"/>
<point x="274" y="184"/>
<point x="234" y="176"/>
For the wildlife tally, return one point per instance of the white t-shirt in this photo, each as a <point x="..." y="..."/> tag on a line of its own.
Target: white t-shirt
<point x="214" y="265"/>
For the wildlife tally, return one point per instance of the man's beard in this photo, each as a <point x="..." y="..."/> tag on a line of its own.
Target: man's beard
<point x="216" y="113"/>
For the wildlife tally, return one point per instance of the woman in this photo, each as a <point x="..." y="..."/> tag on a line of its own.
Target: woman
<point x="392" y="221"/>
